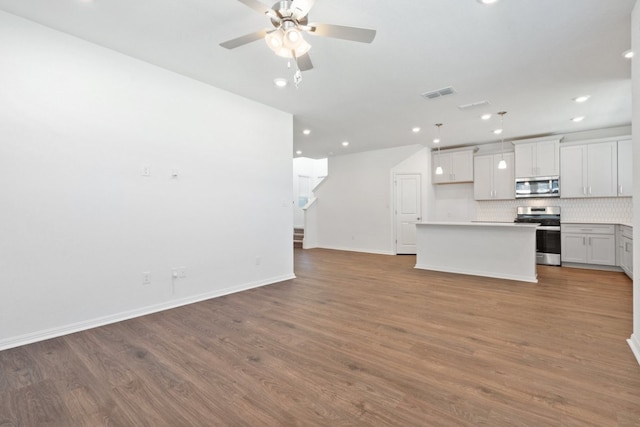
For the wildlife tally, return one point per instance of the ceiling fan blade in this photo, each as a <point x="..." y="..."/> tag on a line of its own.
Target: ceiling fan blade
<point x="247" y="38"/>
<point x="255" y="5"/>
<point x="300" y="8"/>
<point x="355" y="34"/>
<point x="304" y="62"/>
<point x="262" y="8"/>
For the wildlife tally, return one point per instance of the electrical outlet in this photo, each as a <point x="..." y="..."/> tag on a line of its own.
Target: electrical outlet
<point x="146" y="277"/>
<point x="146" y="171"/>
<point x="179" y="273"/>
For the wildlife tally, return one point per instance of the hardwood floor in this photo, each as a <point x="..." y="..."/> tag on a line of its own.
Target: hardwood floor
<point x="355" y="339"/>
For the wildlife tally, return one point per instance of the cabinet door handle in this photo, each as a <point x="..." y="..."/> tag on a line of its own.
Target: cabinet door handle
<point x="584" y="191"/>
<point x="620" y="189"/>
<point x="589" y="190"/>
<point x="584" y="241"/>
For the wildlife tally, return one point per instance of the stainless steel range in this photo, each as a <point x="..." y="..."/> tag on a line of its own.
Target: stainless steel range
<point x="547" y="235"/>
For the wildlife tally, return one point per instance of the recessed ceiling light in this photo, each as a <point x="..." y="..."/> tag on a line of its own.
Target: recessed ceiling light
<point x="298" y="152"/>
<point x="306" y="131"/>
<point x="485" y="116"/>
<point x="628" y="54"/>
<point x="487" y="1"/>
<point x="415" y="129"/>
<point x="497" y="131"/>
<point x="583" y="98"/>
<point x="345" y="143"/>
<point x="280" y="82"/>
<point x="577" y="119"/>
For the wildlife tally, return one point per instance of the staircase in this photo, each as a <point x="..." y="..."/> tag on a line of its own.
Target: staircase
<point x="298" y="237"/>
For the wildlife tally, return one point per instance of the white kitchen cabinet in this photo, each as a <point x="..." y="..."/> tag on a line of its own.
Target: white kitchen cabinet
<point x="589" y="170"/>
<point x="625" y="167"/>
<point x="625" y="249"/>
<point x="491" y="183"/>
<point x="540" y="158"/>
<point x="457" y="166"/>
<point x="588" y="244"/>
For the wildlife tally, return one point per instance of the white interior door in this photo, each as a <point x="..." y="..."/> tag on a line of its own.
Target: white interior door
<point x="408" y="211"/>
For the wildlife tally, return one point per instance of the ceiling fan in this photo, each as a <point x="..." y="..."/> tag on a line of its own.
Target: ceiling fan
<point x="289" y="19"/>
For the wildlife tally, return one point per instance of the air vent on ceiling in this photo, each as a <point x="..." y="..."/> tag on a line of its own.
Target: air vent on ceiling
<point x="439" y="93"/>
<point x="473" y="105"/>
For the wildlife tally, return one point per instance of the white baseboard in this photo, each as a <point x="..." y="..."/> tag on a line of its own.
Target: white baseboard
<point x="519" y="278"/>
<point x="18" y="341"/>
<point x="634" y="343"/>
<point x="366" y="251"/>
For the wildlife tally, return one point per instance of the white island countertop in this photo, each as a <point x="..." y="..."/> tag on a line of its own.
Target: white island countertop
<point x="503" y="250"/>
<point x="480" y="224"/>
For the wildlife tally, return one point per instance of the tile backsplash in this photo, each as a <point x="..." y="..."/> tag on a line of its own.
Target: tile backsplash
<point x="616" y="210"/>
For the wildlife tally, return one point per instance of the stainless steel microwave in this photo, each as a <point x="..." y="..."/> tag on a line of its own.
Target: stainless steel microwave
<point x="537" y="187"/>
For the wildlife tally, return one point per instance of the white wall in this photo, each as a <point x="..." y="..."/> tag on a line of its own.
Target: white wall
<point x="79" y="221"/>
<point x="634" y="341"/>
<point x="354" y="209"/>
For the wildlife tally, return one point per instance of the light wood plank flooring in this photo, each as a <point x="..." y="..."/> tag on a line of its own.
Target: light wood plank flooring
<point x="355" y="340"/>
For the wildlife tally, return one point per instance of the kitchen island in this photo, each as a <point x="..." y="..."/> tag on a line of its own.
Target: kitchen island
<point x="491" y="249"/>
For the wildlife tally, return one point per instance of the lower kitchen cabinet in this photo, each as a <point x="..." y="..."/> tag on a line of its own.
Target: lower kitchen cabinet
<point x="625" y="249"/>
<point x="589" y="244"/>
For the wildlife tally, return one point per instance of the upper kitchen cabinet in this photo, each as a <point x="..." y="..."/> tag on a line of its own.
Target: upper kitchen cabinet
<point x="491" y="183"/>
<point x="589" y="169"/>
<point x="457" y="165"/>
<point x="540" y="157"/>
<point x="625" y="175"/>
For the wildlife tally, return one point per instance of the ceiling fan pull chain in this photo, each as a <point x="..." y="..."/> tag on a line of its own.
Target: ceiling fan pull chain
<point x="297" y="78"/>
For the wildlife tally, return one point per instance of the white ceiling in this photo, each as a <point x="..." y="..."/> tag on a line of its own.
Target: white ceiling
<point x="527" y="57"/>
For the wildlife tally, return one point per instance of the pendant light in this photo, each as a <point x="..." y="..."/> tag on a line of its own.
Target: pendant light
<point x="502" y="164"/>
<point x="439" y="170"/>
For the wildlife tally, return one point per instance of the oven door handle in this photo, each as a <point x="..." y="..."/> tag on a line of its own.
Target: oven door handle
<point x="548" y="228"/>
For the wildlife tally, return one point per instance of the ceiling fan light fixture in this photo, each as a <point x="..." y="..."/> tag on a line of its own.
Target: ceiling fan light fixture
<point x="292" y="38"/>
<point x="301" y="50"/>
<point x="274" y="40"/>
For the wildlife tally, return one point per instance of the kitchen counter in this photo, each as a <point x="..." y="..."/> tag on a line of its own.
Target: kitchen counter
<point x="598" y="222"/>
<point x="492" y="249"/>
